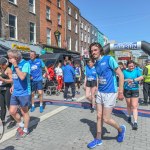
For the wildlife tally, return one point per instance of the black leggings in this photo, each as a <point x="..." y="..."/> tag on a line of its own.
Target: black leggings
<point x="4" y="101"/>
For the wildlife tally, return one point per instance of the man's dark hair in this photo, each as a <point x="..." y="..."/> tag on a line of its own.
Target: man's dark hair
<point x="97" y="45"/>
<point x="130" y="62"/>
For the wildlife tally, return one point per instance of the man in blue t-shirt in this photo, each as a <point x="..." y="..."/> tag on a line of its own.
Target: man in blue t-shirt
<point x="69" y="76"/>
<point x="36" y="65"/>
<point x="21" y="91"/>
<point x="106" y="68"/>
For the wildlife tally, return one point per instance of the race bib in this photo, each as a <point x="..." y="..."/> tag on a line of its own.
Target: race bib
<point x="90" y="79"/>
<point x="34" y="67"/>
<point x="102" y="80"/>
<point x="14" y="76"/>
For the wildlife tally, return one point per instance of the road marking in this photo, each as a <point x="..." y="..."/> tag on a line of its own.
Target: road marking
<point x="12" y="133"/>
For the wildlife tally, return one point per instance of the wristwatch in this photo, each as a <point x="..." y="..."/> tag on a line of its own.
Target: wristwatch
<point x="15" y="66"/>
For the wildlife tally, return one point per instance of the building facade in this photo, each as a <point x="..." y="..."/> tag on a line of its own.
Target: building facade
<point x="72" y="26"/>
<point x="100" y="38"/>
<point x="84" y="36"/>
<point x="52" y="23"/>
<point x="20" y="20"/>
<point x="94" y="33"/>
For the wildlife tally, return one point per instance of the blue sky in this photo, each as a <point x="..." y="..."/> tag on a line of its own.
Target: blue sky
<point x="120" y="20"/>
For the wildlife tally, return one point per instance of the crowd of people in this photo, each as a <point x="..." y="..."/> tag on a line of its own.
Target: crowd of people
<point x="19" y="84"/>
<point x="105" y="81"/>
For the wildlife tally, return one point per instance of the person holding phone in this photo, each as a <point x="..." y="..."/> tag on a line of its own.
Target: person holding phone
<point x="21" y="91"/>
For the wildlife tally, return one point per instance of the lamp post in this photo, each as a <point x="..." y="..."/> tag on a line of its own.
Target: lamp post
<point x="57" y="34"/>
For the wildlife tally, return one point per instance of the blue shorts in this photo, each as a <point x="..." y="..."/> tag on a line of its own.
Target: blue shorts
<point x="36" y="85"/>
<point x="22" y="101"/>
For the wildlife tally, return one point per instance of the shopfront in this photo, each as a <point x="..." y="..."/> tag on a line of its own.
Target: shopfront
<point x="23" y="47"/>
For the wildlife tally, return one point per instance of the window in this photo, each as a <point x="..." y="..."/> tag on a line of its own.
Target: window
<point x="59" y="19"/>
<point x="48" y="13"/>
<point x="89" y="29"/>
<point x="13" y="1"/>
<point x="82" y="25"/>
<point x="32" y="32"/>
<point x="69" y="24"/>
<point x="85" y="27"/>
<point x="82" y="36"/>
<point x="92" y="40"/>
<point x="48" y="35"/>
<point x="88" y="39"/>
<point x="58" y="3"/>
<point x="59" y="40"/>
<point x="69" y="10"/>
<point x="69" y="43"/>
<point x="12" y="26"/>
<point x="76" y="45"/>
<point x="93" y="32"/>
<point x="85" y="38"/>
<point x="76" y="28"/>
<point x="76" y="15"/>
<point x="32" y="6"/>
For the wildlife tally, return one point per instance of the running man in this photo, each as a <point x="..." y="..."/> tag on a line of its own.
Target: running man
<point x="21" y="91"/>
<point x="106" y="68"/>
<point x="36" y="65"/>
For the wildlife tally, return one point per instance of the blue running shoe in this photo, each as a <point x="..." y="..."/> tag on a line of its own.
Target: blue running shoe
<point x="41" y="109"/>
<point x="94" y="143"/>
<point x="32" y="109"/>
<point x="121" y="135"/>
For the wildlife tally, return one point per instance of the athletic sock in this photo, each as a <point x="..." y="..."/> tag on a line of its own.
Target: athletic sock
<point x="21" y="124"/>
<point x="32" y="105"/>
<point x="25" y="130"/>
<point x="41" y="104"/>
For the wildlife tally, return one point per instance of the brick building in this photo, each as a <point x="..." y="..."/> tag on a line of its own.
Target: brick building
<point x="72" y="26"/>
<point x="19" y="20"/>
<point x="85" y="36"/>
<point x="52" y="23"/>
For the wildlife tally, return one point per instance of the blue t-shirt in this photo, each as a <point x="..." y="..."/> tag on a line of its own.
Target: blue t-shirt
<point x="131" y="75"/>
<point x="36" y="69"/>
<point x="68" y="73"/>
<point x="21" y="87"/>
<point x="105" y="68"/>
<point x="90" y="73"/>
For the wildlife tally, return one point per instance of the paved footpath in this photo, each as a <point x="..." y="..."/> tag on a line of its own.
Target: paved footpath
<point x="71" y="125"/>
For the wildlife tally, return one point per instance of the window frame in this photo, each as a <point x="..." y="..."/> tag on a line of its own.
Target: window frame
<point x="34" y="33"/>
<point x="69" y="23"/>
<point x="33" y="5"/>
<point x="59" y="3"/>
<point x="59" y="19"/>
<point x="15" y="2"/>
<point x="48" y="14"/>
<point x="15" y="27"/>
<point x="48" y="36"/>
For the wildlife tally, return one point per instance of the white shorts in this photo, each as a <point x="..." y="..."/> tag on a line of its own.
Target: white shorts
<point x="106" y="99"/>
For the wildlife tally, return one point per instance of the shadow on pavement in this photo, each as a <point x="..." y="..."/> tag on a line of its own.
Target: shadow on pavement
<point x="92" y="127"/>
<point x="33" y="123"/>
<point x="86" y="105"/>
<point x="9" y="148"/>
<point x="121" y="114"/>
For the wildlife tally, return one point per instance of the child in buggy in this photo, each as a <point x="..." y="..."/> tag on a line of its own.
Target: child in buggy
<point x="50" y="86"/>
